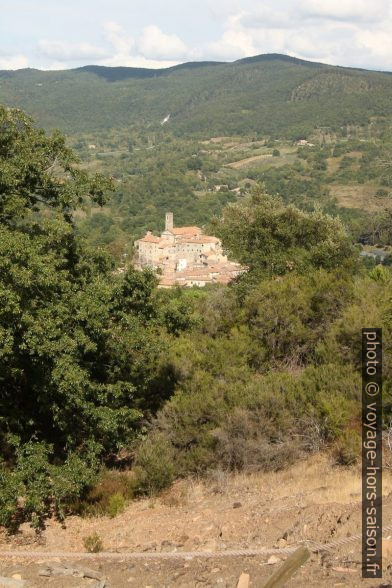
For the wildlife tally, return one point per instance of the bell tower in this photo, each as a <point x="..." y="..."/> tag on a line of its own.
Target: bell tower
<point x="169" y="221"/>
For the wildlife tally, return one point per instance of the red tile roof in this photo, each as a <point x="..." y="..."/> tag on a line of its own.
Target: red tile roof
<point x="186" y="231"/>
<point x="150" y="239"/>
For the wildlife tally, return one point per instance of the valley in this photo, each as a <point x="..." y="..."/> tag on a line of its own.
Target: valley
<point x="137" y="419"/>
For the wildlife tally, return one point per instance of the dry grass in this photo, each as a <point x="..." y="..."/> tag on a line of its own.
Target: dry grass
<point x="334" y="162"/>
<point x="178" y="495"/>
<point x="248" y="161"/>
<point x="360" y="196"/>
<point x="287" y="156"/>
<point x="315" y="478"/>
<point x="219" y="140"/>
<point x="224" y="511"/>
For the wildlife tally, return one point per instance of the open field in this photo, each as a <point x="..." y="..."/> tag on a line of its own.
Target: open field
<point x="334" y="162"/>
<point x="362" y="196"/>
<point x="249" y="161"/>
<point x="264" y="158"/>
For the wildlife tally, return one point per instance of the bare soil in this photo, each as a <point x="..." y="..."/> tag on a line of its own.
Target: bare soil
<point x="311" y="501"/>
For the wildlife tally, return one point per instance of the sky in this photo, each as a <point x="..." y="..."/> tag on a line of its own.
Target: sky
<point x="62" y="34"/>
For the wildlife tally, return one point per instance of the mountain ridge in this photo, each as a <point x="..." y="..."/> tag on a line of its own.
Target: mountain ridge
<point x="250" y="95"/>
<point x="152" y="72"/>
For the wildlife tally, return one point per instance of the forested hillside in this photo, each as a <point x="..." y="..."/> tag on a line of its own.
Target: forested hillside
<point x="269" y="94"/>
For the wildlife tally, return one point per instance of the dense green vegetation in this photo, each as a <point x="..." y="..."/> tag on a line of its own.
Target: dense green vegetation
<point x="81" y="348"/>
<point x="272" y="370"/>
<point x="196" y="180"/>
<point x="113" y="117"/>
<point x="269" y="94"/>
<point x="98" y="368"/>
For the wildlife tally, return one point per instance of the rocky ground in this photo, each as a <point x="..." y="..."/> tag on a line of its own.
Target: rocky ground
<point x="312" y="501"/>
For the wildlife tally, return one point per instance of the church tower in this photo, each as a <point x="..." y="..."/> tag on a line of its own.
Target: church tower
<point x="169" y="221"/>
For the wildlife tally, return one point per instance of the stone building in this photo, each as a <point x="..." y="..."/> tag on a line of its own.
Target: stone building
<point x="185" y="257"/>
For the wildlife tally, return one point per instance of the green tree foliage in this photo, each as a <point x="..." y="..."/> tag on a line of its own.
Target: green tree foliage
<point x="37" y="487"/>
<point x="93" y="359"/>
<point x="265" y="423"/>
<point x="79" y="348"/>
<point x="273" y="239"/>
<point x="270" y="94"/>
<point x="287" y="317"/>
<point x="272" y="370"/>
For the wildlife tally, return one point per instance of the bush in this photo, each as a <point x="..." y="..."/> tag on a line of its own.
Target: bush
<point x="36" y="489"/>
<point x="116" y="504"/>
<point x="154" y="465"/>
<point x="10" y="490"/>
<point x="241" y="443"/>
<point x="109" y="495"/>
<point x="348" y="448"/>
<point x="287" y="317"/>
<point x="381" y="193"/>
<point x="93" y="543"/>
<point x="342" y="341"/>
<point x="266" y="423"/>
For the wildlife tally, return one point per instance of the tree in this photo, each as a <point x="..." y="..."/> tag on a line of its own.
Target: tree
<point x="78" y="350"/>
<point x="272" y="239"/>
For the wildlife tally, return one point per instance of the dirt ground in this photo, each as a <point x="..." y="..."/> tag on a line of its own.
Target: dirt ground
<point x="312" y="502"/>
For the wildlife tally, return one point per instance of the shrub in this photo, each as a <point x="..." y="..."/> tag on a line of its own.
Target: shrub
<point x="93" y="543"/>
<point x="348" y="448"/>
<point x="154" y="465"/>
<point x="10" y="489"/>
<point x="36" y="488"/>
<point x="288" y="316"/>
<point x="265" y="423"/>
<point x="116" y="504"/>
<point x="381" y="193"/>
<point x="241" y="443"/>
<point x="109" y="495"/>
<point x="342" y="341"/>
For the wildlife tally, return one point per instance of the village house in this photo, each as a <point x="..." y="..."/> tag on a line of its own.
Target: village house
<point x="185" y="257"/>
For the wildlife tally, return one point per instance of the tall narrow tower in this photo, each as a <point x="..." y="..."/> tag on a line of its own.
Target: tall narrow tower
<point x="169" y="221"/>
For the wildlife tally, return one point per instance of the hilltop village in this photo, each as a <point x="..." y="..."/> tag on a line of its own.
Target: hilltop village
<point x="185" y="256"/>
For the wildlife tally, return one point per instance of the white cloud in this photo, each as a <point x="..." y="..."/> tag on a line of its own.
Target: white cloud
<point x="153" y="49"/>
<point x="344" y="32"/>
<point x="135" y="61"/>
<point x="377" y="42"/>
<point x="155" y="44"/>
<point x="233" y="45"/>
<point x="236" y="41"/>
<point x="340" y="32"/>
<point x="347" y="10"/>
<point x="123" y="44"/>
<point x="61" y="51"/>
<point x="266" y="17"/>
<point x="13" y="61"/>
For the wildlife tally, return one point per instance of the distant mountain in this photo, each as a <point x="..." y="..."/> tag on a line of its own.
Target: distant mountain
<point x="115" y="74"/>
<point x="270" y="94"/>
